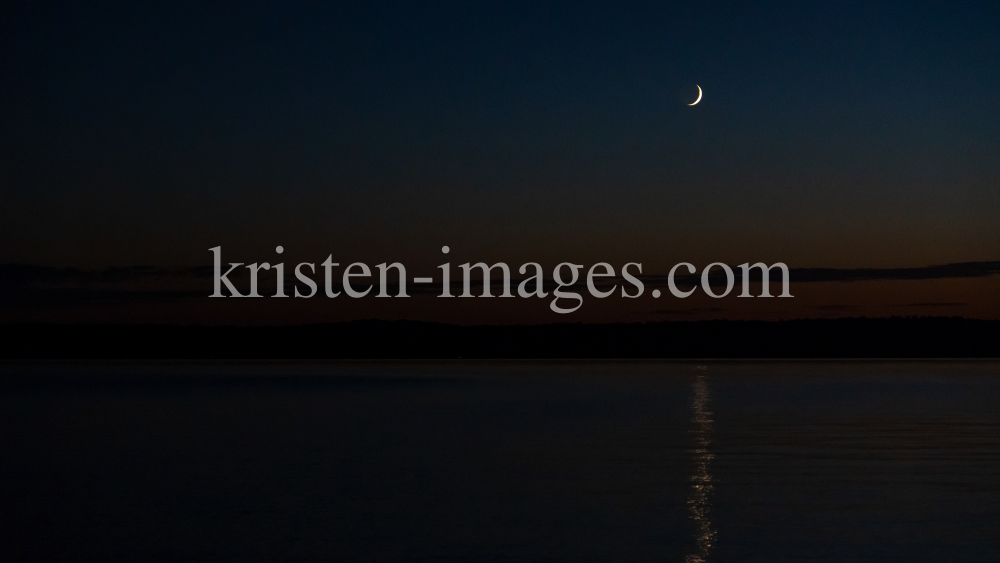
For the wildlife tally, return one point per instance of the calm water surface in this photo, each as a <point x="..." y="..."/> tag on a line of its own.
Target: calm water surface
<point x="503" y="461"/>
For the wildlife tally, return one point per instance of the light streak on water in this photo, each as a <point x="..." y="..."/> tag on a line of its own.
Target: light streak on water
<point x="699" y="499"/>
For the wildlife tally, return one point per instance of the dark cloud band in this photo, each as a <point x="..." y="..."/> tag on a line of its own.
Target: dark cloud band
<point x="23" y="285"/>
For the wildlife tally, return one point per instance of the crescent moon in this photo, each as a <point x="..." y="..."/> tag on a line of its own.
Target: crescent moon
<point x="699" y="96"/>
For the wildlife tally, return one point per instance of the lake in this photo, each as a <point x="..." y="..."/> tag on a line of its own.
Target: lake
<point x="501" y="461"/>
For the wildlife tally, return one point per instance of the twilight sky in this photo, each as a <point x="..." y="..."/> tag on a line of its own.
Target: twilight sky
<point x="831" y="135"/>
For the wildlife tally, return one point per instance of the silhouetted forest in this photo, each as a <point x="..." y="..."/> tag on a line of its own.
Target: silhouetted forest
<point x="925" y="337"/>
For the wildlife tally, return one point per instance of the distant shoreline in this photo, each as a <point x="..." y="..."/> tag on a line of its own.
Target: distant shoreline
<point x="833" y="339"/>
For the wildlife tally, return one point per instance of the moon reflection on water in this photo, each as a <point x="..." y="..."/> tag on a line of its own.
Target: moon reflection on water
<point x="701" y="481"/>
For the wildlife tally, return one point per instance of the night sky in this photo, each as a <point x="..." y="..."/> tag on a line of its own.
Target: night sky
<point x="831" y="135"/>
